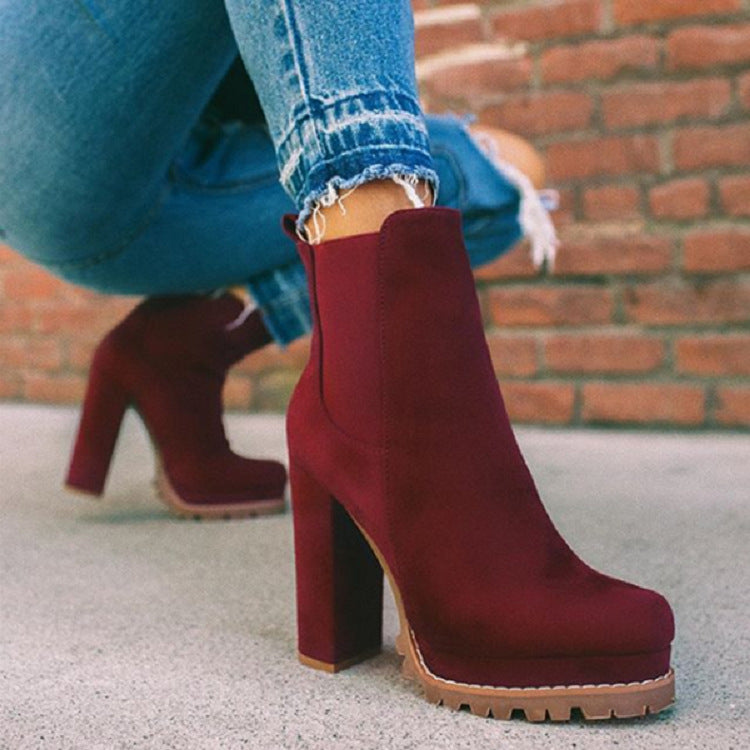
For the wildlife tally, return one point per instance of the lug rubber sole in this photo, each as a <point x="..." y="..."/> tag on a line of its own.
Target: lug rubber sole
<point x="555" y="703"/>
<point x="595" y="702"/>
<point x="197" y="511"/>
<point x="212" y="511"/>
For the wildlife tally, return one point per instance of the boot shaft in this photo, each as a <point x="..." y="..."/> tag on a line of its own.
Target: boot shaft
<point x="386" y="307"/>
<point x="192" y="331"/>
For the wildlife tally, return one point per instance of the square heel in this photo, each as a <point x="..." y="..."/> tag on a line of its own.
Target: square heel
<point x="104" y="407"/>
<point x="339" y="580"/>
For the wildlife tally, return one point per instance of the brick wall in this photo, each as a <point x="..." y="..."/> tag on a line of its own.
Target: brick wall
<point x="641" y="110"/>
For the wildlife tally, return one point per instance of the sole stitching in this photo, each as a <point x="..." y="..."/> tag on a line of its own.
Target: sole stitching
<point x="531" y="689"/>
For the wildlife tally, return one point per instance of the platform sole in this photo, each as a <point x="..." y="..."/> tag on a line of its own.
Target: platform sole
<point x="555" y="703"/>
<point x="213" y="511"/>
<point x="199" y="511"/>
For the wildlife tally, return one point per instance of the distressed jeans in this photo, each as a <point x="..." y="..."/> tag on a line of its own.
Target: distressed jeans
<point x="117" y="172"/>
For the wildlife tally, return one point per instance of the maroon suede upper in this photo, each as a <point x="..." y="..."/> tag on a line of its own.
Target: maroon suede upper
<point x="400" y="417"/>
<point x="170" y="355"/>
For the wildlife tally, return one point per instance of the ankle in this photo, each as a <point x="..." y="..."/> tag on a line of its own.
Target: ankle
<point x="241" y="293"/>
<point x="364" y="209"/>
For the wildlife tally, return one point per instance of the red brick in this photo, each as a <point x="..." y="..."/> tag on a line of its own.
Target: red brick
<point x="8" y="256"/>
<point x="95" y="318"/>
<point x="552" y="403"/>
<point x="717" y="251"/>
<point x="274" y="389"/>
<point x="595" y="255"/>
<point x="536" y="114"/>
<point x="643" y="403"/>
<point x="733" y="408"/>
<point x="601" y="59"/>
<point x="272" y="357"/>
<point x="23" y="352"/>
<point x="714" y="355"/>
<point x="513" y="355"/>
<point x="679" y="199"/>
<point x="611" y="202"/>
<point x="735" y="195"/>
<point x="688" y="304"/>
<point x="702" y="148"/>
<point x="708" y="46"/>
<point x="603" y="353"/>
<point x="744" y="87"/>
<point x="237" y="392"/>
<point x="565" y="214"/>
<point x="545" y="306"/>
<point x="548" y="20"/>
<point x="30" y="282"/>
<point x="514" y="265"/>
<point x="581" y="159"/>
<point x="15" y="317"/>
<point x="57" y="389"/>
<point x="432" y="38"/>
<point x="643" y="11"/>
<point x="81" y="352"/>
<point x="653" y="103"/>
<point x="10" y="385"/>
<point x="78" y="295"/>
<point x="477" y="80"/>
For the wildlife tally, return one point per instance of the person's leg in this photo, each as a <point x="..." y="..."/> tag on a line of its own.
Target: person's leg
<point x="97" y="103"/>
<point x="470" y="181"/>
<point x="121" y="188"/>
<point x="401" y="452"/>
<point x="155" y="211"/>
<point x="342" y="108"/>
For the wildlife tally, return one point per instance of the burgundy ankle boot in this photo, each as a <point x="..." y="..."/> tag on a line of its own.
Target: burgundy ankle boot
<point x="402" y="458"/>
<point x="169" y="358"/>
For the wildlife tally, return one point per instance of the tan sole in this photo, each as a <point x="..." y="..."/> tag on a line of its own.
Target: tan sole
<point x="166" y="492"/>
<point x="595" y="702"/>
<point x="556" y="703"/>
<point x="340" y="666"/>
<point x="179" y="507"/>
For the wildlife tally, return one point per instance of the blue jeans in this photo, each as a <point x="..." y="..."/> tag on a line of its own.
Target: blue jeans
<point x="117" y="174"/>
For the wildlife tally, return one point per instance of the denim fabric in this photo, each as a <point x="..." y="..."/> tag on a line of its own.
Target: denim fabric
<point x="469" y="182"/>
<point x="338" y="89"/>
<point x="114" y="175"/>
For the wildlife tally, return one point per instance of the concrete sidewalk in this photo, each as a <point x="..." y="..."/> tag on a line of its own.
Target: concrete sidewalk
<point x="121" y="627"/>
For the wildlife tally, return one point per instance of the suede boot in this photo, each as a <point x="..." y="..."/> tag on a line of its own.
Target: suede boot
<point x="168" y="359"/>
<point x="402" y="458"/>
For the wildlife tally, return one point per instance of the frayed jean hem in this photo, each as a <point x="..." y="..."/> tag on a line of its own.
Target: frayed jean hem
<point x="331" y="192"/>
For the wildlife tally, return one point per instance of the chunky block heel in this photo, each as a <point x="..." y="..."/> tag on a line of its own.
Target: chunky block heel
<point x="339" y="580"/>
<point x="103" y="409"/>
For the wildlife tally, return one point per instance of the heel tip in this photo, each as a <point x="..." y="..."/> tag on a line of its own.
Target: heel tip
<point x="339" y="666"/>
<point x="82" y="491"/>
